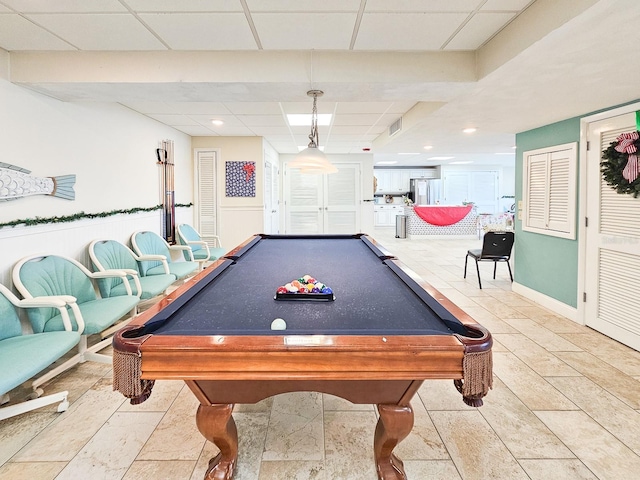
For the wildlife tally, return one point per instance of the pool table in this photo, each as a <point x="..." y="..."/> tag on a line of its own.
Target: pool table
<point x="375" y="339"/>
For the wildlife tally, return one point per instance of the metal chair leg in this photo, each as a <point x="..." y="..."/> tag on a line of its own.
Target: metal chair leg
<point x="495" y="265"/>
<point x="465" y="265"/>
<point x="478" y="270"/>
<point x="509" y="267"/>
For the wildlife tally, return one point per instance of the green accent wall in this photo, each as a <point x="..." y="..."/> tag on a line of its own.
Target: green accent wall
<point x="544" y="263"/>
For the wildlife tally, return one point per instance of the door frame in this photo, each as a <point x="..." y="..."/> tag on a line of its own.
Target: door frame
<point x="582" y="204"/>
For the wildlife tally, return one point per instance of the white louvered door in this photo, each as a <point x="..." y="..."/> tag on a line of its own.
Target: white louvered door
<point x="323" y="203"/>
<point x="206" y="203"/>
<point x="342" y="200"/>
<point x="613" y="240"/>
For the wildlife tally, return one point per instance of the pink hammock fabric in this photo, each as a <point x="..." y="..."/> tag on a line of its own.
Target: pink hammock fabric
<point x="442" y="216"/>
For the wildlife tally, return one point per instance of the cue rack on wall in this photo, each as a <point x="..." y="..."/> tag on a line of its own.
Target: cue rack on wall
<point x="167" y="194"/>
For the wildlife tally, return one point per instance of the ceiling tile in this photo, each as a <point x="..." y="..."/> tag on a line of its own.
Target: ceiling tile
<point x="306" y="107"/>
<point x="363" y="107"/>
<point x="404" y="31"/>
<point x="229" y="120"/>
<point x="152" y="107"/>
<point x="184" y="6"/>
<point x="478" y="30"/>
<point x="65" y="6"/>
<point x="261" y="108"/>
<point x="505" y="5"/>
<point x="271" y="130"/>
<point x="4" y="9"/>
<point x="257" y="120"/>
<point x="360" y="119"/>
<point x="320" y="31"/>
<point x="200" y="108"/>
<point x="202" y="31"/>
<point x="18" y="33"/>
<point x="196" y="131"/>
<point x="175" y="120"/>
<point x="99" y="31"/>
<point x="303" y="5"/>
<point x="422" y="5"/>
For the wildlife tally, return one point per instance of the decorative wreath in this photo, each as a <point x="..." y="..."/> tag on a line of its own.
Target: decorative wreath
<point x="620" y="165"/>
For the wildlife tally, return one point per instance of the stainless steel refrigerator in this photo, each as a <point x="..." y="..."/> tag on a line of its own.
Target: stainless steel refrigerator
<point x="425" y="191"/>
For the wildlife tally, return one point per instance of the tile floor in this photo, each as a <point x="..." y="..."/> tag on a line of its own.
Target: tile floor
<point x="565" y="405"/>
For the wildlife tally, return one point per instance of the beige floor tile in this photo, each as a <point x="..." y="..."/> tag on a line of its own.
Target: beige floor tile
<point x="498" y="347"/>
<point x="458" y="298"/>
<point x="18" y="431"/>
<point x="295" y="428"/>
<point x="611" y="379"/>
<point x="77" y="425"/>
<point x="252" y="434"/>
<point x="557" y="470"/>
<point x="349" y="445"/>
<point x="423" y="443"/>
<point x="177" y="436"/>
<point x="550" y="320"/>
<point x="533" y="390"/>
<point x="31" y="471"/>
<point x="489" y="320"/>
<point x="601" y="452"/>
<point x="441" y="395"/>
<point x="475" y="448"/>
<point x="615" y="354"/>
<point x="542" y="336"/>
<point x="610" y="412"/>
<point x="512" y="421"/>
<point x="153" y="470"/>
<point x="540" y="360"/>
<point x="301" y="470"/>
<point x="263" y="406"/>
<point x="163" y="395"/>
<point x="510" y="298"/>
<point x="431" y="470"/>
<point x="112" y="450"/>
<point x="208" y="452"/>
<point x="497" y="307"/>
<point x="331" y="402"/>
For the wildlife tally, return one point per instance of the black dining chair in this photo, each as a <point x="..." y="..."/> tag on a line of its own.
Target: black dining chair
<point x="496" y="247"/>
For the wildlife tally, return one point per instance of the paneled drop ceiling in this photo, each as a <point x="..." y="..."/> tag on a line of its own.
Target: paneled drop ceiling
<point x="501" y="66"/>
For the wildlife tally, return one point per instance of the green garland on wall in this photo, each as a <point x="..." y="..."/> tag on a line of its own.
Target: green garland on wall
<point x="82" y="215"/>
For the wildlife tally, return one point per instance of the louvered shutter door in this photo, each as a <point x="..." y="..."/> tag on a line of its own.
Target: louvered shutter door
<point x="304" y="212"/>
<point x="559" y="202"/>
<point x="206" y="206"/>
<point x="341" y="201"/>
<point x="536" y="199"/>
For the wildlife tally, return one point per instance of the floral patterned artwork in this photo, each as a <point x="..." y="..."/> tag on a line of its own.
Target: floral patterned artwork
<point x="240" y="179"/>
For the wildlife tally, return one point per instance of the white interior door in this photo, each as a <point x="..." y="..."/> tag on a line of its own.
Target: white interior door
<point x="304" y="202"/>
<point x="316" y="204"/>
<point x="206" y="204"/>
<point x="612" y="239"/>
<point x="342" y="200"/>
<point x="271" y="203"/>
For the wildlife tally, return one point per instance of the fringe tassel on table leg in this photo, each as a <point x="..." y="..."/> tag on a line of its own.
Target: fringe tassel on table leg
<point x="127" y="368"/>
<point x="478" y="377"/>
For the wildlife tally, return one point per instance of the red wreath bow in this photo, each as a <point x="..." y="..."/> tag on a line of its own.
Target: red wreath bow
<point x="249" y="168"/>
<point x="626" y="145"/>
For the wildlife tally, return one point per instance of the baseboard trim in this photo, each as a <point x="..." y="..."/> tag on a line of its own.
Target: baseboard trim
<point x="552" y="304"/>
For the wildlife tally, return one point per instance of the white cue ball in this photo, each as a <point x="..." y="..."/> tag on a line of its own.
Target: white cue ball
<point x="278" y="324"/>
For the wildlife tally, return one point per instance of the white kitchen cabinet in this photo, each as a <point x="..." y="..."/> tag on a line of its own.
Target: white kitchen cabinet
<point x="385" y="215"/>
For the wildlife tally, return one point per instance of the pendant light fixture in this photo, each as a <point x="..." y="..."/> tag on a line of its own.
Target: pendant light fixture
<point x="311" y="159"/>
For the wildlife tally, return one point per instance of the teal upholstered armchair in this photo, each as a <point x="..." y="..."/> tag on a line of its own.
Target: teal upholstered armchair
<point x="22" y="356"/>
<point x="200" y="250"/>
<point x="54" y="275"/>
<point x="158" y="256"/>
<point x="109" y="255"/>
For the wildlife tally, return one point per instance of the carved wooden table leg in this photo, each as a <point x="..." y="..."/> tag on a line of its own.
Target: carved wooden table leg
<point x="394" y="424"/>
<point x="217" y="425"/>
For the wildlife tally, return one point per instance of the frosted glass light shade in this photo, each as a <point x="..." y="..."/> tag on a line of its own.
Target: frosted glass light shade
<point x="312" y="160"/>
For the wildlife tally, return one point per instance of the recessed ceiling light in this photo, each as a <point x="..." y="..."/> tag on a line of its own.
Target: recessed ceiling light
<point x="461" y="162"/>
<point x="469" y="130"/>
<point x="386" y="163"/>
<point x="428" y="147"/>
<point x="441" y="158"/>
<point x="304" y="119"/>
<point x="217" y="122"/>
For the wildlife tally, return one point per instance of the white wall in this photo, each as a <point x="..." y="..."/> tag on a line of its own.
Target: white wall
<point x="112" y="152"/>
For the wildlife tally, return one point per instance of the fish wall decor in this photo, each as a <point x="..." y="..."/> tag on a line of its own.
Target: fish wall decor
<point x="16" y="182"/>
